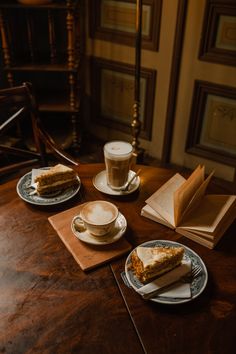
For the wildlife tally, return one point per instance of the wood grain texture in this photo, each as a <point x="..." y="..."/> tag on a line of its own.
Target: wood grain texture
<point x="208" y="323"/>
<point x="49" y="305"/>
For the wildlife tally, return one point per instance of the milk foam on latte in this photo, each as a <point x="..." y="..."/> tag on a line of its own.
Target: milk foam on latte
<point x="118" y="150"/>
<point x="99" y="212"/>
<point x="117" y="156"/>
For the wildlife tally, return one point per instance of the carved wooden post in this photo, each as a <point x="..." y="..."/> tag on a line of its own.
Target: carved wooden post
<point x="71" y="61"/>
<point x="70" y="34"/>
<point x="52" y="37"/>
<point x="136" y="123"/>
<point x="30" y="33"/>
<point x="5" y="48"/>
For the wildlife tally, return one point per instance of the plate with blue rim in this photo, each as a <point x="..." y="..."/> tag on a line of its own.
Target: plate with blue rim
<point x="25" y="191"/>
<point x="197" y="286"/>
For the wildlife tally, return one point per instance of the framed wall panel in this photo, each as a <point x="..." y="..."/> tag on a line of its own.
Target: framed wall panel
<point x="212" y="128"/>
<point x="112" y="94"/>
<point x="114" y="21"/>
<point x="218" y="43"/>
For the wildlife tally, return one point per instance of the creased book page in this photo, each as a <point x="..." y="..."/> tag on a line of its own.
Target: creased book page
<point x="215" y="236"/>
<point x="197" y="198"/>
<point x="162" y="200"/>
<point x="152" y="214"/>
<point x="185" y="193"/>
<point x="209" y="215"/>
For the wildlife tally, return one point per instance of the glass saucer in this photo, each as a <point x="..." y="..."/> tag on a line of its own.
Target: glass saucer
<point x="100" y="183"/>
<point x="113" y="236"/>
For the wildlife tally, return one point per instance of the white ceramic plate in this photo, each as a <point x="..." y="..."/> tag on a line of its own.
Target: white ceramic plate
<point x="111" y="237"/>
<point x="100" y="183"/>
<point x="24" y="190"/>
<point x="197" y="286"/>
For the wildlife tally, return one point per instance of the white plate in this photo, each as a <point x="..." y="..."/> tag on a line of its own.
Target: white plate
<point x="24" y="190"/>
<point x="100" y="183"/>
<point x="197" y="286"/>
<point x="111" y="237"/>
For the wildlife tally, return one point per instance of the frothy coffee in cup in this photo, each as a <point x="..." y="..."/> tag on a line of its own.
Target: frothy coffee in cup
<point x="99" y="217"/>
<point x="117" y="155"/>
<point x="99" y="212"/>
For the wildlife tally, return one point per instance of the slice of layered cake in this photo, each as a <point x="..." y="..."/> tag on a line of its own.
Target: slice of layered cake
<point x="55" y="179"/>
<point x="151" y="262"/>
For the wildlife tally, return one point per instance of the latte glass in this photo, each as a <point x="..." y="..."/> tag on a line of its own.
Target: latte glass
<point x="118" y="156"/>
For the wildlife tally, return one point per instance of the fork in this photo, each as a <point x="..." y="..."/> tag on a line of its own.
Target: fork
<point x="194" y="274"/>
<point x="187" y="278"/>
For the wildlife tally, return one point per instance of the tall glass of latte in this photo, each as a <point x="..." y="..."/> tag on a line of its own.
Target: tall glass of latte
<point x="117" y="155"/>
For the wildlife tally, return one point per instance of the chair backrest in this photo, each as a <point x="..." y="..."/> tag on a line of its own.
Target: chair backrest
<point x="18" y="114"/>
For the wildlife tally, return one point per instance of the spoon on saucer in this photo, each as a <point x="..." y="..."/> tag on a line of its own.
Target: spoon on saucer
<point x="126" y="187"/>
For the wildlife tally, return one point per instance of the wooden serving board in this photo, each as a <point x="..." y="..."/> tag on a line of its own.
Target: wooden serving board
<point x="86" y="255"/>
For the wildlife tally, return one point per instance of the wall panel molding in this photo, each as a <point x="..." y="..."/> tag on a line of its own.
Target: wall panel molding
<point x="212" y="123"/>
<point x="218" y="40"/>
<point x="112" y="95"/>
<point x="114" y="21"/>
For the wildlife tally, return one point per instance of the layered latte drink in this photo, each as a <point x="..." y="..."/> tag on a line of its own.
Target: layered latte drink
<point x="117" y="156"/>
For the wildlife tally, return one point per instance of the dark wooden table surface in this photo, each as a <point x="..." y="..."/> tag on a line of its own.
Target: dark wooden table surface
<point x="49" y="305"/>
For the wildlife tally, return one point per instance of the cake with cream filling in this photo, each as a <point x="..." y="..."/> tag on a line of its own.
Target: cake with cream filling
<point x="151" y="262"/>
<point x="55" y="179"/>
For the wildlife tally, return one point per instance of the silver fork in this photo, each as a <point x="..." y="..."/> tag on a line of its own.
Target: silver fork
<point x="188" y="278"/>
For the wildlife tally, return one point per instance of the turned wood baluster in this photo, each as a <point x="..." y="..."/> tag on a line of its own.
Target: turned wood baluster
<point x="78" y="90"/>
<point x="136" y="123"/>
<point x="5" y="48"/>
<point x="52" y="37"/>
<point x="77" y="33"/>
<point x="30" y="32"/>
<point x="70" y="33"/>
<point x="71" y="61"/>
<point x="70" y="50"/>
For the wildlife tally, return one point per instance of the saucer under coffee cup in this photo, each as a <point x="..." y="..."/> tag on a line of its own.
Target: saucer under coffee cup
<point x="97" y="217"/>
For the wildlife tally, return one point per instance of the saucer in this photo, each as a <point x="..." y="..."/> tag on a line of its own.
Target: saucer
<point x="100" y="183"/>
<point x="113" y="236"/>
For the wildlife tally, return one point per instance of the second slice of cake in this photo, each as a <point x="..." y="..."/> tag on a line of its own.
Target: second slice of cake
<point x="151" y="262"/>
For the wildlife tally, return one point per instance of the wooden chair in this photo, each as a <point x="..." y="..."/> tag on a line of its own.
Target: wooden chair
<point x="18" y="106"/>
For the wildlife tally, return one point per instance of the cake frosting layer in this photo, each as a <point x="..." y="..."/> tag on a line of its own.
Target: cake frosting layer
<point x="54" y="179"/>
<point x="151" y="262"/>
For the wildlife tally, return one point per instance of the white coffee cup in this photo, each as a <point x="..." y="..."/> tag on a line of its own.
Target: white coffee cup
<point x="118" y="156"/>
<point x="98" y="217"/>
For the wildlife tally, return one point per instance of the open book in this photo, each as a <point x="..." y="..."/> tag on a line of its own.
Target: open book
<point x="184" y="206"/>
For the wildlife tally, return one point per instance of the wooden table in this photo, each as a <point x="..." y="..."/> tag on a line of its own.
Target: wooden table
<point x="49" y="305"/>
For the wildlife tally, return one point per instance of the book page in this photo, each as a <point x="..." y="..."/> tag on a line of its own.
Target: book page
<point x="196" y="200"/>
<point x="150" y="213"/>
<point x="162" y="201"/>
<point x="196" y="238"/>
<point x="209" y="239"/>
<point x="185" y="193"/>
<point x="211" y="213"/>
<point x="220" y="229"/>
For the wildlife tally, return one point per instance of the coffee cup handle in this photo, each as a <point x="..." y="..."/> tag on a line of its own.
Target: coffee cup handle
<point x="79" y="224"/>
